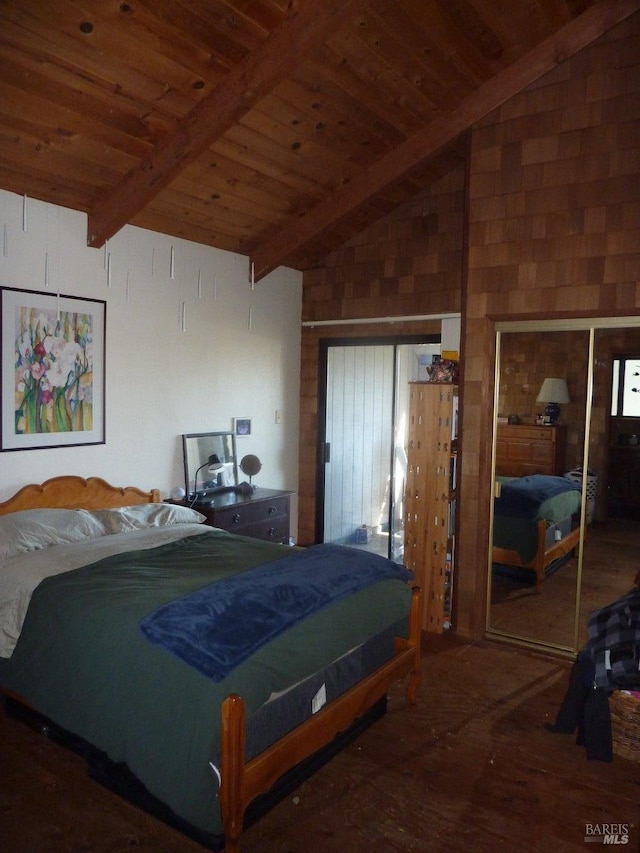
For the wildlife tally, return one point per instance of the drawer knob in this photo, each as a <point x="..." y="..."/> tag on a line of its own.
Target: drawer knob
<point x="236" y="518"/>
<point x="272" y="509"/>
<point x="272" y="532"/>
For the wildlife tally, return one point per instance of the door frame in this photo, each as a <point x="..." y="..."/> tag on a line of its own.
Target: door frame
<point x="324" y="344"/>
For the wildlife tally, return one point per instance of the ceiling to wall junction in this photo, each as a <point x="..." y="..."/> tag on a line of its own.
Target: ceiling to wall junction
<point x="278" y="129"/>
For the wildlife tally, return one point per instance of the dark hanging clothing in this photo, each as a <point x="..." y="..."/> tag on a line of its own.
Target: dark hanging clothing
<point x="610" y="661"/>
<point x="585" y="708"/>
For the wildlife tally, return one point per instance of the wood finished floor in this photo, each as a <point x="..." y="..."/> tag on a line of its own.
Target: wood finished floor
<point x="611" y="562"/>
<point x="471" y="768"/>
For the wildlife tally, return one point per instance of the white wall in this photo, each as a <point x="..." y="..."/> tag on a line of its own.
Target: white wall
<point x="238" y="355"/>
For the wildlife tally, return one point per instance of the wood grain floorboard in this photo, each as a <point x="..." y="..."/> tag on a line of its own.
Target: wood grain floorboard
<point x="471" y="768"/>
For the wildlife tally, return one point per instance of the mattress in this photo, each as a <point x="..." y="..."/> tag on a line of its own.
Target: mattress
<point x="282" y="713"/>
<point x="526" y="500"/>
<point x="143" y="707"/>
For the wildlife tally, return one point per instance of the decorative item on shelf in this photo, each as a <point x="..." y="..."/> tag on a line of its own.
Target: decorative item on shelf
<point x="443" y="370"/>
<point x="553" y="392"/>
<point x="250" y="465"/>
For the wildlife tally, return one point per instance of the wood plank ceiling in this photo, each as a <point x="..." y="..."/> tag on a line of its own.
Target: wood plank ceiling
<point x="271" y="128"/>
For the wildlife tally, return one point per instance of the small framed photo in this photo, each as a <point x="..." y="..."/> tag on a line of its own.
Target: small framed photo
<point x="242" y="426"/>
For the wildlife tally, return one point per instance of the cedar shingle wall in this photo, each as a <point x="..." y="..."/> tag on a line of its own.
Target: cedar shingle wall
<point x="554" y="231"/>
<point x="526" y="359"/>
<point x="409" y="263"/>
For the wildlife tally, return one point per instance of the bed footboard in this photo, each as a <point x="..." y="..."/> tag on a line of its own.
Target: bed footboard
<point x="544" y="555"/>
<point x="243" y="781"/>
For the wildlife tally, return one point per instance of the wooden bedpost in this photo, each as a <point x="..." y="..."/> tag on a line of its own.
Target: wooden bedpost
<point x="539" y="561"/>
<point x="232" y="781"/>
<point x="241" y="782"/>
<point x="413" y="643"/>
<point x="415" y="635"/>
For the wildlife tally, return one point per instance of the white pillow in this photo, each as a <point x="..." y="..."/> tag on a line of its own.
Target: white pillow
<point x="33" y="529"/>
<point x="141" y="516"/>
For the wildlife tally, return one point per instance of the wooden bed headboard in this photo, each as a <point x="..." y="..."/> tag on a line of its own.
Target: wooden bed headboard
<point x="72" y="492"/>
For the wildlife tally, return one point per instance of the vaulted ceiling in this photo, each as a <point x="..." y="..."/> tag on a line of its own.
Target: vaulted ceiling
<point x="277" y="129"/>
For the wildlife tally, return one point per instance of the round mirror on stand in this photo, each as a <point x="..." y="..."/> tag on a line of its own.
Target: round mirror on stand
<point x="250" y="465"/>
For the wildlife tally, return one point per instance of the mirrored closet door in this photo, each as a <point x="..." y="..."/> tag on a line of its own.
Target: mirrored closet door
<point x="611" y="557"/>
<point x="557" y="553"/>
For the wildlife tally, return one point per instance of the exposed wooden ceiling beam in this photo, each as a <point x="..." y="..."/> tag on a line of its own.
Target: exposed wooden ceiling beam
<point x="574" y="36"/>
<point x="307" y="25"/>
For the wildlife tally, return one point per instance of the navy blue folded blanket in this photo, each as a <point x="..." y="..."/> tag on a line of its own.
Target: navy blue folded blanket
<point x="219" y="626"/>
<point x="521" y="497"/>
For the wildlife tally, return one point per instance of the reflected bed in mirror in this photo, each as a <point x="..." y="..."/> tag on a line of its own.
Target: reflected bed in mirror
<point x="554" y="613"/>
<point x="210" y="463"/>
<point x="534" y="562"/>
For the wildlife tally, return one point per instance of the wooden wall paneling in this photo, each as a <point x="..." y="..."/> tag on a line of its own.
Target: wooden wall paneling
<point x="355" y="106"/>
<point x="60" y="42"/>
<point x="464" y="32"/>
<point x="320" y="164"/>
<point x="319" y="121"/>
<point x="244" y="84"/>
<point x="545" y="282"/>
<point x="396" y="95"/>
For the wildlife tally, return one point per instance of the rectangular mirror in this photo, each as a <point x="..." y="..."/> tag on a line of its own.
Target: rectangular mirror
<point x="537" y="511"/>
<point x="210" y="462"/>
<point x="602" y="445"/>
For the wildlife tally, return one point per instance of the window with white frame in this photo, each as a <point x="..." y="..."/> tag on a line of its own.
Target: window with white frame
<point x="625" y="394"/>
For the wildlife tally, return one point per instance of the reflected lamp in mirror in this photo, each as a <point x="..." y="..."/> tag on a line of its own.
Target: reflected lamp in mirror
<point x="209" y="462"/>
<point x="214" y="468"/>
<point x="553" y="392"/>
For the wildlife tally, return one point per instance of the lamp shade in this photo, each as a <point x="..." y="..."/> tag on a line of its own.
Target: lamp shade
<point x="214" y="463"/>
<point x="553" y="391"/>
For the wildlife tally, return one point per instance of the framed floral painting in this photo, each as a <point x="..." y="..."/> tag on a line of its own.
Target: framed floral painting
<point x="53" y="370"/>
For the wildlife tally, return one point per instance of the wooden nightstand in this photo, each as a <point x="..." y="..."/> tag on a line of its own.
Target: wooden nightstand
<point x="261" y="514"/>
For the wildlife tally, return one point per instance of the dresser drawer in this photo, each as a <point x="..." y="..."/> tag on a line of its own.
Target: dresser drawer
<point x="273" y="530"/>
<point x="537" y="434"/>
<point x="261" y="519"/>
<point x="518" y="451"/>
<point x="261" y="514"/>
<point x="254" y="512"/>
<point x="524" y="449"/>
<point x="542" y="453"/>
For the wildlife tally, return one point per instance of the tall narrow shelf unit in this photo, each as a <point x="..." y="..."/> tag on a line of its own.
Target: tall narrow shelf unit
<point x="430" y="516"/>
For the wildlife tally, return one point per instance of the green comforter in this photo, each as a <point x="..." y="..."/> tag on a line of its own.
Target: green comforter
<point x="83" y="661"/>
<point x="518" y="533"/>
